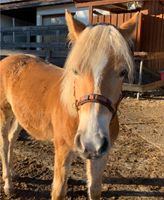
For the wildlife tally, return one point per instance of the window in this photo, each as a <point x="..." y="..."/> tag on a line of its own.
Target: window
<point x="58" y="19"/>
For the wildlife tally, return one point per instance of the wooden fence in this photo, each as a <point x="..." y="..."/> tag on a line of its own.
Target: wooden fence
<point x="48" y="42"/>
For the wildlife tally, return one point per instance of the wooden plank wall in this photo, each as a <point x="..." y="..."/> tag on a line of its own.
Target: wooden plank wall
<point x="149" y="36"/>
<point x="152" y="32"/>
<point x="117" y="20"/>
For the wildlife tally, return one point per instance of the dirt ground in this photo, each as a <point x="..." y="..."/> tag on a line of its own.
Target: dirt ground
<point x="135" y="168"/>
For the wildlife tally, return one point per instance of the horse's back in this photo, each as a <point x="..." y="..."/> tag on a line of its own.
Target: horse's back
<point x="27" y="83"/>
<point x="16" y="65"/>
<point x="27" y="73"/>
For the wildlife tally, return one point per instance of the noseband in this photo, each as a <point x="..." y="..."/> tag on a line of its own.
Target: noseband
<point x="97" y="98"/>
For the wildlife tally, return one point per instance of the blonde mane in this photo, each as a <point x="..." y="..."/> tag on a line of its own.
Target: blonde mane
<point x="94" y="45"/>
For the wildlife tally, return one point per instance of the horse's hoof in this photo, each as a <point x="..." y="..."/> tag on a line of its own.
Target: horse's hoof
<point x="8" y="191"/>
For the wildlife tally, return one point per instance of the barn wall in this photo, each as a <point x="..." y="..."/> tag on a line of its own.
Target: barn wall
<point x="152" y="32"/>
<point x="149" y="35"/>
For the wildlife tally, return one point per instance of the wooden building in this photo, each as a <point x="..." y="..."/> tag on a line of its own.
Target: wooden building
<point x="148" y="37"/>
<point x="37" y="27"/>
<point x="28" y="23"/>
<point x="149" y="34"/>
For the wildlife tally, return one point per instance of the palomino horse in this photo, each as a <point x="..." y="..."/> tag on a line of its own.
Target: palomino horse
<point x="74" y="107"/>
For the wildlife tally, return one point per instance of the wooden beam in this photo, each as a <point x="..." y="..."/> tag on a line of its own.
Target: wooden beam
<point x="138" y="32"/>
<point x="143" y="88"/>
<point x="101" y="3"/>
<point x="31" y="3"/>
<point x="152" y="86"/>
<point x="90" y="14"/>
<point x="132" y="87"/>
<point x="149" y="55"/>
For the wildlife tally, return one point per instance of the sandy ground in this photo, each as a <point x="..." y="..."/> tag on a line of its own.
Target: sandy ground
<point x="135" y="168"/>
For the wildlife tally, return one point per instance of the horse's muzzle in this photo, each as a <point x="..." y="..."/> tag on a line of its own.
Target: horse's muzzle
<point x="90" y="150"/>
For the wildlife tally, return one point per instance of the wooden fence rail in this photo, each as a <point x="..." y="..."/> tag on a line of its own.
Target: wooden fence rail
<point x="45" y="41"/>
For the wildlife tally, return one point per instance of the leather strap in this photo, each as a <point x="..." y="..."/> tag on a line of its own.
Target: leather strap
<point x="96" y="98"/>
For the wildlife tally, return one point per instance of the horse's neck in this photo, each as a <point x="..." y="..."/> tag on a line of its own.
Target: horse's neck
<point x="64" y="123"/>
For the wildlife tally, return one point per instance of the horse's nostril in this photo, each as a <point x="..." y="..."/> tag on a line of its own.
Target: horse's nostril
<point x="104" y="146"/>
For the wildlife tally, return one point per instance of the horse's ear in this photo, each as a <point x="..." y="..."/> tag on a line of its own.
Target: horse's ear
<point x="127" y="28"/>
<point x="74" y="27"/>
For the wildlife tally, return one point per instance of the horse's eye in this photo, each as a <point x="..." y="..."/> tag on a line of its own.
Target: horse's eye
<point x="123" y="73"/>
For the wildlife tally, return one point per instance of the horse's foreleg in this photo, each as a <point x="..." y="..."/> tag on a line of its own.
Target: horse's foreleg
<point x="13" y="135"/>
<point x="62" y="164"/>
<point x="4" y="144"/>
<point x="95" y="170"/>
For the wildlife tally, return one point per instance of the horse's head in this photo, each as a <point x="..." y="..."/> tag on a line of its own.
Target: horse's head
<point x="94" y="73"/>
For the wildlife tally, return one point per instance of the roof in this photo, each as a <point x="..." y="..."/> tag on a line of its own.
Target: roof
<point x="8" y="1"/>
<point x="15" y="4"/>
<point x="28" y="1"/>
